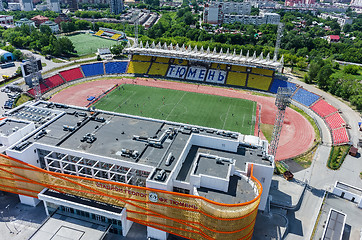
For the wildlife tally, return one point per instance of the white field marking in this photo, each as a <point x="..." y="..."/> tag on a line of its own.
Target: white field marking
<point x="175" y="105"/>
<point x="226" y="117"/>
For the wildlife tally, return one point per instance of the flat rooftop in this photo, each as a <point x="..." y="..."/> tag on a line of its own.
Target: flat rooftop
<point x="9" y="126"/>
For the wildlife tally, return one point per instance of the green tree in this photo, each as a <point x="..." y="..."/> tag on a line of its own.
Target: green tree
<point x="351" y="69"/>
<point x="323" y="76"/>
<point x="18" y="55"/>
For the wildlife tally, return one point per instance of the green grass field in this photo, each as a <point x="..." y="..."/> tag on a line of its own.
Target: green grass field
<point x="179" y="106"/>
<point x="86" y="43"/>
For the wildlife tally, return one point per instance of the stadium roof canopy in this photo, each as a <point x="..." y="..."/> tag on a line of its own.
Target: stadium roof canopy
<point x="195" y="54"/>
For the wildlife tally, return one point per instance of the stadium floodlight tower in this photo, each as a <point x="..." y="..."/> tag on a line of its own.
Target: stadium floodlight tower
<point x="35" y="75"/>
<point x="282" y="102"/>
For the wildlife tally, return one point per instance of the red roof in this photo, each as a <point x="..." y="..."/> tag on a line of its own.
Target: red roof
<point x="39" y="17"/>
<point x="334" y="37"/>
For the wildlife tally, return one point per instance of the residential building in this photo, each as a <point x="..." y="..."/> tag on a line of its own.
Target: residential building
<point x="333" y="38"/>
<point x="6" y="20"/>
<point x="38" y="19"/>
<point x="356" y="3"/>
<point x="53" y="26"/>
<point x="14" y="6"/>
<point x="27" y="5"/>
<point x="116" y="6"/>
<point x="62" y="18"/>
<point x="342" y="19"/>
<point x="24" y="21"/>
<point x="54" y="5"/>
<point x="299" y="3"/>
<point x="1" y="6"/>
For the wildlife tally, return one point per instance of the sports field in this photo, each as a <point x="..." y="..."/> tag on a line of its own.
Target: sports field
<point x="86" y="43"/>
<point x="179" y="106"/>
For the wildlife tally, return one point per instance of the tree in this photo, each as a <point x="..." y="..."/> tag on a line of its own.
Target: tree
<point x="323" y="76"/>
<point x="117" y="49"/>
<point x="351" y="69"/>
<point x="18" y="55"/>
<point x="45" y="29"/>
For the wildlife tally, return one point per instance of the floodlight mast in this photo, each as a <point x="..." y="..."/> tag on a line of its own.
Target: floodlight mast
<point x="35" y="76"/>
<point x="282" y="101"/>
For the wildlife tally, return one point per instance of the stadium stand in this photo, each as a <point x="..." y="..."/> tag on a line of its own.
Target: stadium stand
<point x="43" y="89"/>
<point x="53" y="81"/>
<point x="138" y="67"/>
<point x="262" y="71"/>
<point x="92" y="69"/>
<point x="218" y="66"/>
<point x="115" y="67"/>
<point x="305" y="97"/>
<point x="238" y="68"/>
<point x="340" y="136"/>
<point x="116" y="36"/>
<point x="71" y="74"/>
<point x="236" y="79"/>
<point x="141" y="58"/>
<point x="162" y="60"/>
<point x="323" y="109"/>
<point x="335" y="121"/>
<point x="281" y="83"/>
<point x="158" y="69"/>
<point x="99" y="33"/>
<point x="181" y="62"/>
<point x="259" y="82"/>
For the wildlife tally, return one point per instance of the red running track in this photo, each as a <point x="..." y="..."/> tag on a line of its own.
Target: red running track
<point x="297" y="135"/>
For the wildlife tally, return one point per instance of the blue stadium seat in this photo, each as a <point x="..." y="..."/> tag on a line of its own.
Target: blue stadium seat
<point x="116" y="67"/>
<point x="92" y="69"/>
<point x="281" y="83"/>
<point x="305" y="97"/>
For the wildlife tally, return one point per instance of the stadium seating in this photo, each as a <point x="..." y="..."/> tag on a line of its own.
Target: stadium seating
<point x="262" y="71"/>
<point x="53" y="81"/>
<point x="259" y="82"/>
<point x="236" y="79"/>
<point x="158" y="69"/>
<point x="141" y="58"/>
<point x="340" y="136"/>
<point x="72" y="74"/>
<point x="181" y="62"/>
<point x="116" y="67"/>
<point x="99" y="33"/>
<point x="162" y="60"/>
<point x="238" y="68"/>
<point x="92" y="69"/>
<point x="43" y="89"/>
<point x="335" y="121"/>
<point x="305" y="97"/>
<point x="280" y="83"/>
<point x="323" y="109"/>
<point x="116" y="36"/>
<point x="218" y="66"/>
<point x="138" y="67"/>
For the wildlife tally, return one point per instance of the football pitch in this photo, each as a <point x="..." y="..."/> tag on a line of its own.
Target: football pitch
<point x="185" y="107"/>
<point x="86" y="43"/>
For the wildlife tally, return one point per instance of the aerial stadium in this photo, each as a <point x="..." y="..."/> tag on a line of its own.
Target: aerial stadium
<point x="136" y="163"/>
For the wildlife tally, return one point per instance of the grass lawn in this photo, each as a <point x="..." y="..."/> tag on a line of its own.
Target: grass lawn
<point x="22" y="99"/>
<point x="86" y="43"/>
<point x="179" y="106"/>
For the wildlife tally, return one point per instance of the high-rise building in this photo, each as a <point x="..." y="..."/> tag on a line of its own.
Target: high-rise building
<point x="299" y="3"/>
<point x="1" y="6"/>
<point x="356" y="3"/>
<point x="54" y="5"/>
<point x="116" y="6"/>
<point x="27" y="5"/>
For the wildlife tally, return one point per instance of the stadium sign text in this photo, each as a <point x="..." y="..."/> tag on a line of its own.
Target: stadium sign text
<point x="153" y="197"/>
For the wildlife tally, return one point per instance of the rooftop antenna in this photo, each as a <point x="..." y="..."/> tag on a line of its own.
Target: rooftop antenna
<point x="282" y="102"/>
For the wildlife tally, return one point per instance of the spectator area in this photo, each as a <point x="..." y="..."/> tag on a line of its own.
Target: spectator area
<point x="262" y="71"/>
<point x="181" y="62"/>
<point x="158" y="69"/>
<point x="54" y="81"/>
<point x="43" y="89"/>
<point x="93" y="69"/>
<point x="138" y="67"/>
<point x="162" y="60"/>
<point x="305" y="97"/>
<point x="218" y="66"/>
<point x="72" y="74"/>
<point x="115" y="67"/>
<point x="141" y="58"/>
<point x="323" y="109"/>
<point x="335" y="121"/>
<point x="236" y="79"/>
<point x="238" y="68"/>
<point x="259" y="82"/>
<point x="340" y="136"/>
<point x="281" y="83"/>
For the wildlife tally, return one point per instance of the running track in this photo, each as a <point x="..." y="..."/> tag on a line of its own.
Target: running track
<point x="297" y="134"/>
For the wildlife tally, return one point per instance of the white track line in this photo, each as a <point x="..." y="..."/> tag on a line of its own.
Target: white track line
<point x="226" y="117"/>
<point x="175" y="105"/>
